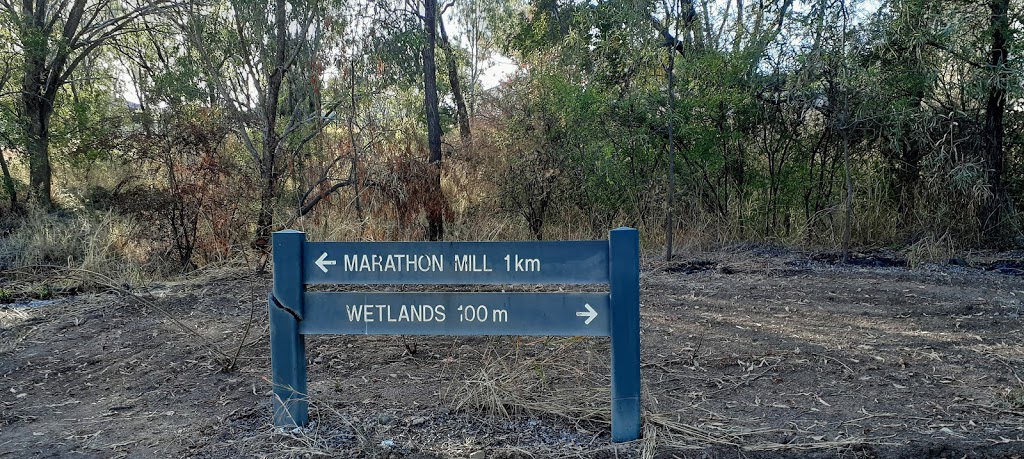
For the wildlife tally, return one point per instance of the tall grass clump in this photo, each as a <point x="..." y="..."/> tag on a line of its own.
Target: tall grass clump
<point x="105" y="242"/>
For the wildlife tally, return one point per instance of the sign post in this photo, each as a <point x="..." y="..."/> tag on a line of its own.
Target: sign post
<point x="615" y="314"/>
<point x="624" y="286"/>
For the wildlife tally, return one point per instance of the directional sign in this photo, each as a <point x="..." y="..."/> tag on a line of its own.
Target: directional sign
<point x="441" y="313"/>
<point x="548" y="262"/>
<point x="295" y="312"/>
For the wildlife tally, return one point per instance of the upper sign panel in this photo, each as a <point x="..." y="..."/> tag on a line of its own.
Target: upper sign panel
<point x="546" y="262"/>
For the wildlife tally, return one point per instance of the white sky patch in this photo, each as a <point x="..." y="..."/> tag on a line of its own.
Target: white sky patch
<point x="127" y="87"/>
<point x="497" y="70"/>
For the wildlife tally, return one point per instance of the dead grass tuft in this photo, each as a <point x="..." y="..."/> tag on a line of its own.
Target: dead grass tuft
<point x="513" y="383"/>
<point x="80" y="240"/>
<point x="931" y="249"/>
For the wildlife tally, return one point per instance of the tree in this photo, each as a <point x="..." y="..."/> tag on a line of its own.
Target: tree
<point x="435" y="214"/>
<point x="55" y="38"/>
<point x="453" y="81"/>
<point x="479" y="21"/>
<point x="950" y="82"/>
<point x="672" y="44"/>
<point x="272" y="48"/>
<point x="8" y="62"/>
<point x="994" y="210"/>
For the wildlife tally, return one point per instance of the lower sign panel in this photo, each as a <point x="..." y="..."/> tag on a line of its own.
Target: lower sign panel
<point x="452" y="313"/>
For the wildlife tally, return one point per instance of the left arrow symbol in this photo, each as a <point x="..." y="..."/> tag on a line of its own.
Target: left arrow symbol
<point x="323" y="262"/>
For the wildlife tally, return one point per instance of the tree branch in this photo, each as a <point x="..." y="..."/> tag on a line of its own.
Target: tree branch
<point x="954" y="53"/>
<point x="670" y="41"/>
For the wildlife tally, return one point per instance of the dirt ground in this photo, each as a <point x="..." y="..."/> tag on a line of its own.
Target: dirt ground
<point x="747" y="352"/>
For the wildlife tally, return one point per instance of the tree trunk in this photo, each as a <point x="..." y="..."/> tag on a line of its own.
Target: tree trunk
<point x="38" y="130"/>
<point x="271" y="139"/>
<point x="12" y="193"/>
<point x="992" y="216"/>
<point x="268" y="188"/>
<point x="669" y="226"/>
<point x="453" y="80"/>
<point x="435" y="212"/>
<point x="354" y="171"/>
<point x="847" y="124"/>
<point x="848" y="181"/>
<point x="37" y="105"/>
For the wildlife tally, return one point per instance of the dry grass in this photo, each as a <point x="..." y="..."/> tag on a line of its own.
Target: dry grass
<point x="513" y="383"/>
<point x="515" y="386"/>
<point x="932" y="249"/>
<point x="510" y="385"/>
<point x="94" y="242"/>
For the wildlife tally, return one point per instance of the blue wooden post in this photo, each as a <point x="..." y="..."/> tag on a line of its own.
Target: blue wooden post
<point x="624" y="286"/>
<point x="287" y="346"/>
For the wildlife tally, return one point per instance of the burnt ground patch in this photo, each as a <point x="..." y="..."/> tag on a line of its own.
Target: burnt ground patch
<point x="691" y="266"/>
<point x="1007" y="267"/>
<point x="866" y="260"/>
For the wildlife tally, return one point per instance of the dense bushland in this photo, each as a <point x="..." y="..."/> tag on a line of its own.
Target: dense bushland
<point x="825" y="123"/>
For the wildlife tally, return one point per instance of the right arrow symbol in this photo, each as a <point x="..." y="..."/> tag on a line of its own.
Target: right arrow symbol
<point x="590" y="313"/>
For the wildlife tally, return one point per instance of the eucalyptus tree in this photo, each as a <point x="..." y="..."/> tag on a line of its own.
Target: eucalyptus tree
<point x="482" y="24"/>
<point x="261" y="58"/>
<point x="9" y="61"/>
<point x="453" y="76"/>
<point x="435" y="216"/>
<point x="671" y="9"/>
<point x="162" y="71"/>
<point x="996" y="210"/>
<point x="55" y="38"/>
<point x="413" y="27"/>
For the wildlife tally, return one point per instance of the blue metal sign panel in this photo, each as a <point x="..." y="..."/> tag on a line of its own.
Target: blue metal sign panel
<point x="436" y="313"/>
<point x="295" y="313"/>
<point x="549" y="262"/>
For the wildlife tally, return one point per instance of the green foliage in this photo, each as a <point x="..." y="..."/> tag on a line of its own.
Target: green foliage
<point x="89" y="127"/>
<point x="768" y="104"/>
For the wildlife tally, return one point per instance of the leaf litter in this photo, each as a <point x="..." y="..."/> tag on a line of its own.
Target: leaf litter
<point x="767" y="354"/>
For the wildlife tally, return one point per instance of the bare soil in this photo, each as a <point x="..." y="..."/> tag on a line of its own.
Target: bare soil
<point x="751" y="352"/>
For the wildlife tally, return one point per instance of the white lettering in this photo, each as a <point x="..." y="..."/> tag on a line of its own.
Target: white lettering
<point x="351" y="263"/>
<point x="407" y="263"/>
<point x="470" y="263"/>
<point x="355" y="312"/>
<point x="369" y="313"/>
